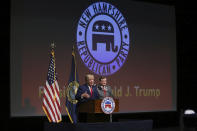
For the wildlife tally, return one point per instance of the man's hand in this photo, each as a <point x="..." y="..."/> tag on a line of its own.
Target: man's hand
<point x="86" y="95"/>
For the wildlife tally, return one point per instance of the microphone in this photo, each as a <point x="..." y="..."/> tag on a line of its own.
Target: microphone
<point x="99" y="87"/>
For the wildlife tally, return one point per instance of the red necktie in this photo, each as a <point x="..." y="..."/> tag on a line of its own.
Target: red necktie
<point x="91" y="90"/>
<point x="104" y="91"/>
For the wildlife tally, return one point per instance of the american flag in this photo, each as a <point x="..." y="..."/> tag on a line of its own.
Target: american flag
<point x="51" y="100"/>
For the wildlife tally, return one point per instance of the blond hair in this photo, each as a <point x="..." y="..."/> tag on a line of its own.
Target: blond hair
<point x="87" y="76"/>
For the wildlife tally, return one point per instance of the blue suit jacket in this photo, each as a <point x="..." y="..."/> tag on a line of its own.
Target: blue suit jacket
<point x="84" y="88"/>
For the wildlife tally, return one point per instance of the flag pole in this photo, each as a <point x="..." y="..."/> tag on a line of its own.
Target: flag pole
<point x="46" y="113"/>
<point x="69" y="115"/>
<point x="73" y="53"/>
<point x="51" y="101"/>
<point x="43" y="107"/>
<point x="53" y="55"/>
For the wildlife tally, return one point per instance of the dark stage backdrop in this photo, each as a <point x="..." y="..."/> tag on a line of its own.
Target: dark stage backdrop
<point x="146" y="79"/>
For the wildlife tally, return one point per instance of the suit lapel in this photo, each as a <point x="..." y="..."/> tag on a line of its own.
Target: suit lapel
<point x="88" y="90"/>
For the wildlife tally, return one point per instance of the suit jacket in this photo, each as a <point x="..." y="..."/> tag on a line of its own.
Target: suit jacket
<point x="108" y="92"/>
<point x="84" y="88"/>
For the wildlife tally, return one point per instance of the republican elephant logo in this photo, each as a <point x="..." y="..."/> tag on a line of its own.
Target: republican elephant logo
<point x="103" y="33"/>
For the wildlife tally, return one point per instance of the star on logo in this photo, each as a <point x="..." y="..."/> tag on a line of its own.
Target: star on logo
<point x="97" y="27"/>
<point x="109" y="27"/>
<point x="103" y="27"/>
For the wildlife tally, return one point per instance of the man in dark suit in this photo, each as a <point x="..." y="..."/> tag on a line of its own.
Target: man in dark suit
<point x="88" y="91"/>
<point x="104" y="90"/>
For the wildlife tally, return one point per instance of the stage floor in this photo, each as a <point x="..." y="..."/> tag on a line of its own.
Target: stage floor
<point x="176" y="128"/>
<point x="167" y="129"/>
<point x="137" y="125"/>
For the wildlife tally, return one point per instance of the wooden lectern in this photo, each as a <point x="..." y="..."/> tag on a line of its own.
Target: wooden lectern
<point x="91" y="111"/>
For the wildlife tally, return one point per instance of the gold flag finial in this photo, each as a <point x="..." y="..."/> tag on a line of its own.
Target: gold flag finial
<point x="53" y="45"/>
<point x="52" y="48"/>
<point x="73" y="50"/>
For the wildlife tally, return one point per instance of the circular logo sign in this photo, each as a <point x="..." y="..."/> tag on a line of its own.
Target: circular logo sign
<point x="103" y="38"/>
<point x="108" y="105"/>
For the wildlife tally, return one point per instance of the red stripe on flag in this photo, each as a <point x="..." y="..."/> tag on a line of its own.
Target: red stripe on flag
<point x="49" y="105"/>
<point x="53" y="102"/>
<point x="57" y="104"/>
<point x="57" y="91"/>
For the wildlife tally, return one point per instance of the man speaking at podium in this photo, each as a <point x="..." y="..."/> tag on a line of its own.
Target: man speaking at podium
<point x="103" y="89"/>
<point x="88" y="91"/>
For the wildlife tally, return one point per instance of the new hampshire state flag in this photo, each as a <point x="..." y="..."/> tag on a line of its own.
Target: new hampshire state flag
<point x="71" y="91"/>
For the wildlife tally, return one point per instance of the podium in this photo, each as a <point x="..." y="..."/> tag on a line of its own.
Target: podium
<point x="91" y="111"/>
